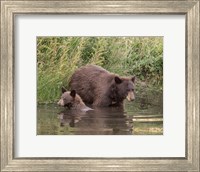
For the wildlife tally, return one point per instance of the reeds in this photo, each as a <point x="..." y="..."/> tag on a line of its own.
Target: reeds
<point x="59" y="57"/>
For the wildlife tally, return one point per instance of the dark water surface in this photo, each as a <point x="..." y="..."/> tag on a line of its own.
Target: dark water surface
<point x="141" y="117"/>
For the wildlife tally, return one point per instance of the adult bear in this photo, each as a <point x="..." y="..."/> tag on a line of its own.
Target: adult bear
<point x="99" y="87"/>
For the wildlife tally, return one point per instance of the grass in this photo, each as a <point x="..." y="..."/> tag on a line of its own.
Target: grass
<point x="147" y="128"/>
<point x="59" y="57"/>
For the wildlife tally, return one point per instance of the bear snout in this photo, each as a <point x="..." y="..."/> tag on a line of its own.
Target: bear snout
<point x="61" y="102"/>
<point x="131" y="96"/>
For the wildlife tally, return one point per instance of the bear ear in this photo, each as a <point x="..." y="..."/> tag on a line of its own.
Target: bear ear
<point x="133" y="79"/>
<point x="63" y="90"/>
<point x="118" y="80"/>
<point x="73" y="93"/>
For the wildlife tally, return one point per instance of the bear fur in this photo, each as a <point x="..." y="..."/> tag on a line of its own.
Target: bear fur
<point x="72" y="101"/>
<point x="99" y="87"/>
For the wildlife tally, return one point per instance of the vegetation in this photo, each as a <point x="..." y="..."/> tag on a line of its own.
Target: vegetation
<point x="59" y="57"/>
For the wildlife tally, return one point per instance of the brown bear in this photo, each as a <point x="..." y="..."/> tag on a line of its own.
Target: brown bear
<point x="72" y="100"/>
<point x="99" y="87"/>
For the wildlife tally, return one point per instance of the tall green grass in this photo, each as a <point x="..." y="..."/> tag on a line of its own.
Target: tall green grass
<point x="59" y="57"/>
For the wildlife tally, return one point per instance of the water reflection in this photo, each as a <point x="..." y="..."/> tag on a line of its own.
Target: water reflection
<point x="100" y="121"/>
<point x="142" y="117"/>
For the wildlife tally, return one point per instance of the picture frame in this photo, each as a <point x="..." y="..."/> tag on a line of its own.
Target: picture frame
<point x="11" y="8"/>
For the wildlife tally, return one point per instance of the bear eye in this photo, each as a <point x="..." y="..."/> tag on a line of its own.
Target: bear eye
<point x="131" y="89"/>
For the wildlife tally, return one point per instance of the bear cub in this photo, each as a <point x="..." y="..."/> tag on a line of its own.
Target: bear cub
<point x="72" y="101"/>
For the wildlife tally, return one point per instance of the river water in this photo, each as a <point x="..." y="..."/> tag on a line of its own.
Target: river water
<point x="141" y="117"/>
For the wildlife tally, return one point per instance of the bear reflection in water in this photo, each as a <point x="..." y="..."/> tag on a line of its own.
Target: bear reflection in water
<point x="100" y="121"/>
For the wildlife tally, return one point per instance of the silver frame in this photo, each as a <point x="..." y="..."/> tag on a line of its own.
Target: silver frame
<point x="10" y="8"/>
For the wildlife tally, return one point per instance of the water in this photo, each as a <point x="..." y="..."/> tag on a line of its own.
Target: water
<point x="141" y="117"/>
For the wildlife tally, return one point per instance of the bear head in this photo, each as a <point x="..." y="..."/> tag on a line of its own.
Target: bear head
<point x="69" y="98"/>
<point x="123" y="88"/>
